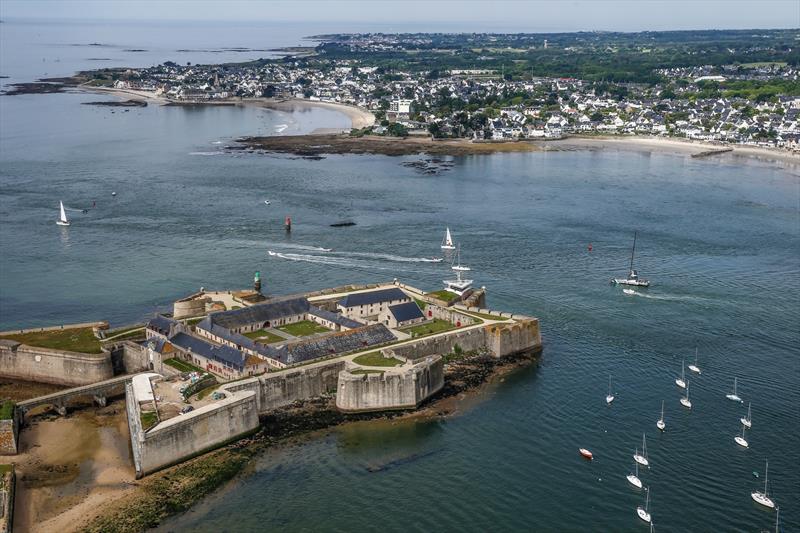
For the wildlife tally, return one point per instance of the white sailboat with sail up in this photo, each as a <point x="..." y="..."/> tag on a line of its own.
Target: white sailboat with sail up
<point x="633" y="275"/>
<point x="609" y="396"/>
<point x="681" y="381"/>
<point x="762" y="497"/>
<point x="62" y="219"/>
<point x="644" y="513"/>
<point x="633" y="479"/>
<point x="693" y="367"/>
<point x="447" y="242"/>
<point x="661" y="424"/>
<point x="747" y="422"/>
<point x="733" y="396"/>
<point x="642" y="458"/>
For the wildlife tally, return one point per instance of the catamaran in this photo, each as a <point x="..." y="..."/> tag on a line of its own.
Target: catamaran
<point x="733" y="396"/>
<point x="609" y="397"/>
<point x="681" y="381"/>
<point x="661" y="424"/>
<point x="694" y="368"/>
<point x="747" y="422"/>
<point x="644" y="514"/>
<point x="740" y="440"/>
<point x="642" y="458"/>
<point x="633" y="479"/>
<point x="459" y="285"/>
<point x="62" y="219"/>
<point x="762" y="497"/>
<point x="447" y="243"/>
<point x="633" y="275"/>
<point x="685" y="401"/>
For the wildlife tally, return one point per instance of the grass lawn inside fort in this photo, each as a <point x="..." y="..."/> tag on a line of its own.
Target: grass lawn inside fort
<point x="263" y="336"/>
<point x="445" y="296"/>
<point x="376" y="359"/>
<point x="74" y="340"/>
<point x="429" y="328"/>
<point x="183" y="366"/>
<point x="303" y="328"/>
<point x="486" y="316"/>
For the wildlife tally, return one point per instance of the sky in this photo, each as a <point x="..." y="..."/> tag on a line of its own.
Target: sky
<point x="447" y="15"/>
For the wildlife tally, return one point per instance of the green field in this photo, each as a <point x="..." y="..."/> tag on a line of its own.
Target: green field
<point x="263" y="336"/>
<point x="429" y="328"/>
<point x="74" y="340"/>
<point x="6" y="410"/>
<point x="485" y="315"/>
<point x="149" y="419"/>
<point x="376" y="359"/>
<point x="182" y="366"/>
<point x="303" y="328"/>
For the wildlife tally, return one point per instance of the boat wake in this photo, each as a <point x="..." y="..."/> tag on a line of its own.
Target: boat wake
<point x="666" y="297"/>
<point x="205" y="153"/>
<point x="280" y="128"/>
<point x="390" y="257"/>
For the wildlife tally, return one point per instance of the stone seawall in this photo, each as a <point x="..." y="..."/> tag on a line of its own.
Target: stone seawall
<point x="277" y="389"/>
<point x="186" y="436"/>
<point x="29" y="363"/>
<point x="500" y="339"/>
<point x="403" y="388"/>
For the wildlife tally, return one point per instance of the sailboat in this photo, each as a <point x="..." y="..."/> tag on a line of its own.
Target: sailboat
<point x="660" y="424"/>
<point x="681" y="381"/>
<point x="633" y="276"/>
<point x="633" y="479"/>
<point x="747" y="422"/>
<point x="62" y="219"/>
<point x="447" y="243"/>
<point x="644" y="514"/>
<point x="733" y="396"/>
<point x="642" y="458"/>
<point x="459" y="285"/>
<point x="685" y="401"/>
<point x="609" y="397"/>
<point x="762" y="497"/>
<point x="694" y="368"/>
<point x="740" y="440"/>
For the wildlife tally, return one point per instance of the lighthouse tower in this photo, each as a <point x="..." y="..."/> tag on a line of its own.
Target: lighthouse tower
<point x="257" y="282"/>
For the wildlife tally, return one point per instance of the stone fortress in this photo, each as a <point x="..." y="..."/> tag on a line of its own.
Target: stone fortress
<point x="375" y="347"/>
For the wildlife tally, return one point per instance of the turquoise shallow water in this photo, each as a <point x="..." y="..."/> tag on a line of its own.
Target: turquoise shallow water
<point x="719" y="238"/>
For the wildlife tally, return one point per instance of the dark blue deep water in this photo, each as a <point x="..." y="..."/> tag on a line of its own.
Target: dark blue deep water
<point x="719" y="238"/>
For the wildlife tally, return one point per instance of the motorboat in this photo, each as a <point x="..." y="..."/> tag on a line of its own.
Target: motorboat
<point x="586" y="453"/>
<point x="633" y="276"/>
<point x="270" y="252"/>
<point x="733" y="396"/>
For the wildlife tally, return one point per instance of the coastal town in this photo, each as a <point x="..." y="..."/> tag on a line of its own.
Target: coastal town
<point x="730" y="103"/>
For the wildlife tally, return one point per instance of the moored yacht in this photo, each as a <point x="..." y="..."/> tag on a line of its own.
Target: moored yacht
<point x="762" y="497"/>
<point x="733" y="396"/>
<point x="693" y="367"/>
<point x="633" y="479"/>
<point x="747" y="422"/>
<point x="681" y="381"/>
<point x="641" y="458"/>
<point x="459" y="285"/>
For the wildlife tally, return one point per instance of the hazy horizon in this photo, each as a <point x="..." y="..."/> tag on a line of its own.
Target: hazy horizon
<point x="534" y="16"/>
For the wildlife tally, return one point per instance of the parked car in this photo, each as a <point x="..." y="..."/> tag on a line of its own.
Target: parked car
<point x="187" y="409"/>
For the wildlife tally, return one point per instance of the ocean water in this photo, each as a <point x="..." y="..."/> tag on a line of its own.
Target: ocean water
<point x="719" y="238"/>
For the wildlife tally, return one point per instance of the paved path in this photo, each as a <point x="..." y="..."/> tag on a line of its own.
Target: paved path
<point x="95" y="389"/>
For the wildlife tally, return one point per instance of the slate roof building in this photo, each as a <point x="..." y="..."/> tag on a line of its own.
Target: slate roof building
<point x="401" y="315"/>
<point x="371" y="305"/>
<point x="335" y="343"/>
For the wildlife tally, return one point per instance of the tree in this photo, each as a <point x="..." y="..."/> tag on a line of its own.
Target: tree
<point x="597" y="116"/>
<point x="396" y="129"/>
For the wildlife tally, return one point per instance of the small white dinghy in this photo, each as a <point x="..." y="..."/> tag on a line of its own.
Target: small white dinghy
<point x="609" y="396"/>
<point x="267" y="202"/>
<point x="747" y="422"/>
<point x="661" y="424"/>
<point x="633" y="479"/>
<point x="644" y="513"/>
<point x="740" y="440"/>
<point x="642" y="458"/>
<point x="733" y="396"/>
<point x="685" y="401"/>
<point x="694" y="368"/>
<point x="762" y="497"/>
<point x="681" y="381"/>
<point x="62" y="218"/>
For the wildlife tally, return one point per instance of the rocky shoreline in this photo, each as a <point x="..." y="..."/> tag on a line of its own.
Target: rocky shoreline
<point x="176" y="489"/>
